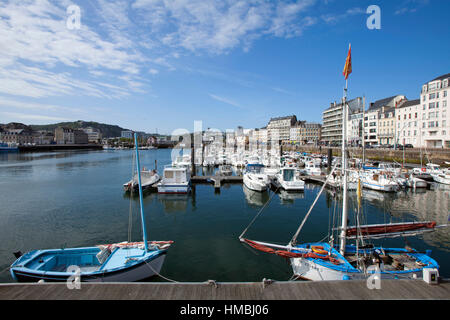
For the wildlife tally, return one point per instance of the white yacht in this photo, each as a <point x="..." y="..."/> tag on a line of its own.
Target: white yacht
<point x="175" y="180"/>
<point x="288" y="179"/>
<point x="255" y="179"/>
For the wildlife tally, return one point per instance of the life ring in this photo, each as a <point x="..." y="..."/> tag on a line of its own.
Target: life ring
<point x="318" y="250"/>
<point x="423" y="169"/>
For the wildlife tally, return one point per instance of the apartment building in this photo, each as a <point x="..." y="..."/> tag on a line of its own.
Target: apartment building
<point x="70" y="136"/>
<point x="386" y="126"/>
<point x="408" y="118"/>
<point x="373" y="115"/>
<point x="280" y="128"/>
<point x="331" y="131"/>
<point x="435" y="116"/>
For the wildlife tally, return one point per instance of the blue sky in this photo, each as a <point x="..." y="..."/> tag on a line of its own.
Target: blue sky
<point x="160" y="64"/>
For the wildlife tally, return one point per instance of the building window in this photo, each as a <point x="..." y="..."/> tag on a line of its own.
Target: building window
<point x="431" y="105"/>
<point x="445" y="94"/>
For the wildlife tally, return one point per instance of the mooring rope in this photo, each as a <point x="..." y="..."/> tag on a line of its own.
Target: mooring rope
<point x="5" y="270"/>
<point x="156" y="272"/>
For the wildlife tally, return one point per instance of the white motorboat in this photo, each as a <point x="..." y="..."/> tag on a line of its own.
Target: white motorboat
<point x="312" y="168"/>
<point x="255" y="179"/>
<point x="379" y="181"/>
<point x="175" y="180"/>
<point x="411" y="181"/>
<point x="443" y="177"/>
<point x="225" y="170"/>
<point x="288" y="179"/>
<point x="148" y="179"/>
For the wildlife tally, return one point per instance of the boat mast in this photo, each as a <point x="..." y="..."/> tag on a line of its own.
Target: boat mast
<point x="344" y="171"/>
<point x="140" y="193"/>
<point x="364" y="132"/>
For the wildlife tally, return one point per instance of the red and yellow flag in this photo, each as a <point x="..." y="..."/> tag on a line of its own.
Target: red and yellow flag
<point x="348" y="63"/>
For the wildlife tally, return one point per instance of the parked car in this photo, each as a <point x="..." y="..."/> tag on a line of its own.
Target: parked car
<point x="409" y="146"/>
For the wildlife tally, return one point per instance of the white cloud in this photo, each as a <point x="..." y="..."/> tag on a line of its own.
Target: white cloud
<point x="335" y="18"/>
<point x="225" y="100"/>
<point x="219" y="26"/>
<point x="32" y="117"/>
<point x="36" y="45"/>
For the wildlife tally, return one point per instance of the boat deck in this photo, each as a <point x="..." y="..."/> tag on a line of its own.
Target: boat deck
<point x="335" y="290"/>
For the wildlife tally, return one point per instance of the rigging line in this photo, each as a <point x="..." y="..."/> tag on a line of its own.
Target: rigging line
<point x="294" y="238"/>
<point x="260" y="211"/>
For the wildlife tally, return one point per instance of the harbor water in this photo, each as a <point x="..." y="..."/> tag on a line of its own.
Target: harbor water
<point x="76" y="199"/>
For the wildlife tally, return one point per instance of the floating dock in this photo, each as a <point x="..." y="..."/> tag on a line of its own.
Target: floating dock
<point x="323" y="290"/>
<point x="217" y="180"/>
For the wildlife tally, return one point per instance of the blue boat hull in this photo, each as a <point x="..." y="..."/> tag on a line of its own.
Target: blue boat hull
<point x="26" y="269"/>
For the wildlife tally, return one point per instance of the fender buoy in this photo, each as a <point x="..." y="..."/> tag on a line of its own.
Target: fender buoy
<point x="318" y="250"/>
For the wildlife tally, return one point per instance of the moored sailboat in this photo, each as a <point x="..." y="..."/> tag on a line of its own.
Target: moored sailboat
<point x="120" y="262"/>
<point x="319" y="261"/>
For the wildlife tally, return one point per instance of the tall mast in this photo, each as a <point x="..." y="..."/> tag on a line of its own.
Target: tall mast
<point x="344" y="171"/>
<point x="140" y="193"/>
<point x="364" y="132"/>
<point x="347" y="71"/>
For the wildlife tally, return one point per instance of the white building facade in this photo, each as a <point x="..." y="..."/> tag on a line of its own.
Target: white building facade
<point x="435" y="114"/>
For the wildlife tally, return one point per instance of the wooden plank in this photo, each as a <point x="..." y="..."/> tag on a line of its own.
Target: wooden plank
<point x="332" y="290"/>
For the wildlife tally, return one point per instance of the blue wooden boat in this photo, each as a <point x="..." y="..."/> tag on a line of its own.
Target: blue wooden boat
<point x="120" y="262"/>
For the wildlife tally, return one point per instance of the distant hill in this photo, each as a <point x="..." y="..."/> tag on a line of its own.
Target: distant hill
<point x="107" y="130"/>
<point x="15" y="125"/>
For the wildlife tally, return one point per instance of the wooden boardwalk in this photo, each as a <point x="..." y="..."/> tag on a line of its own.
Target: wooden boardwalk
<point x="333" y="290"/>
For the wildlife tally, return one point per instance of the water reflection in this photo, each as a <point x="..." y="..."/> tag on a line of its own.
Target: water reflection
<point x="288" y="198"/>
<point x="254" y="198"/>
<point x="173" y="203"/>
